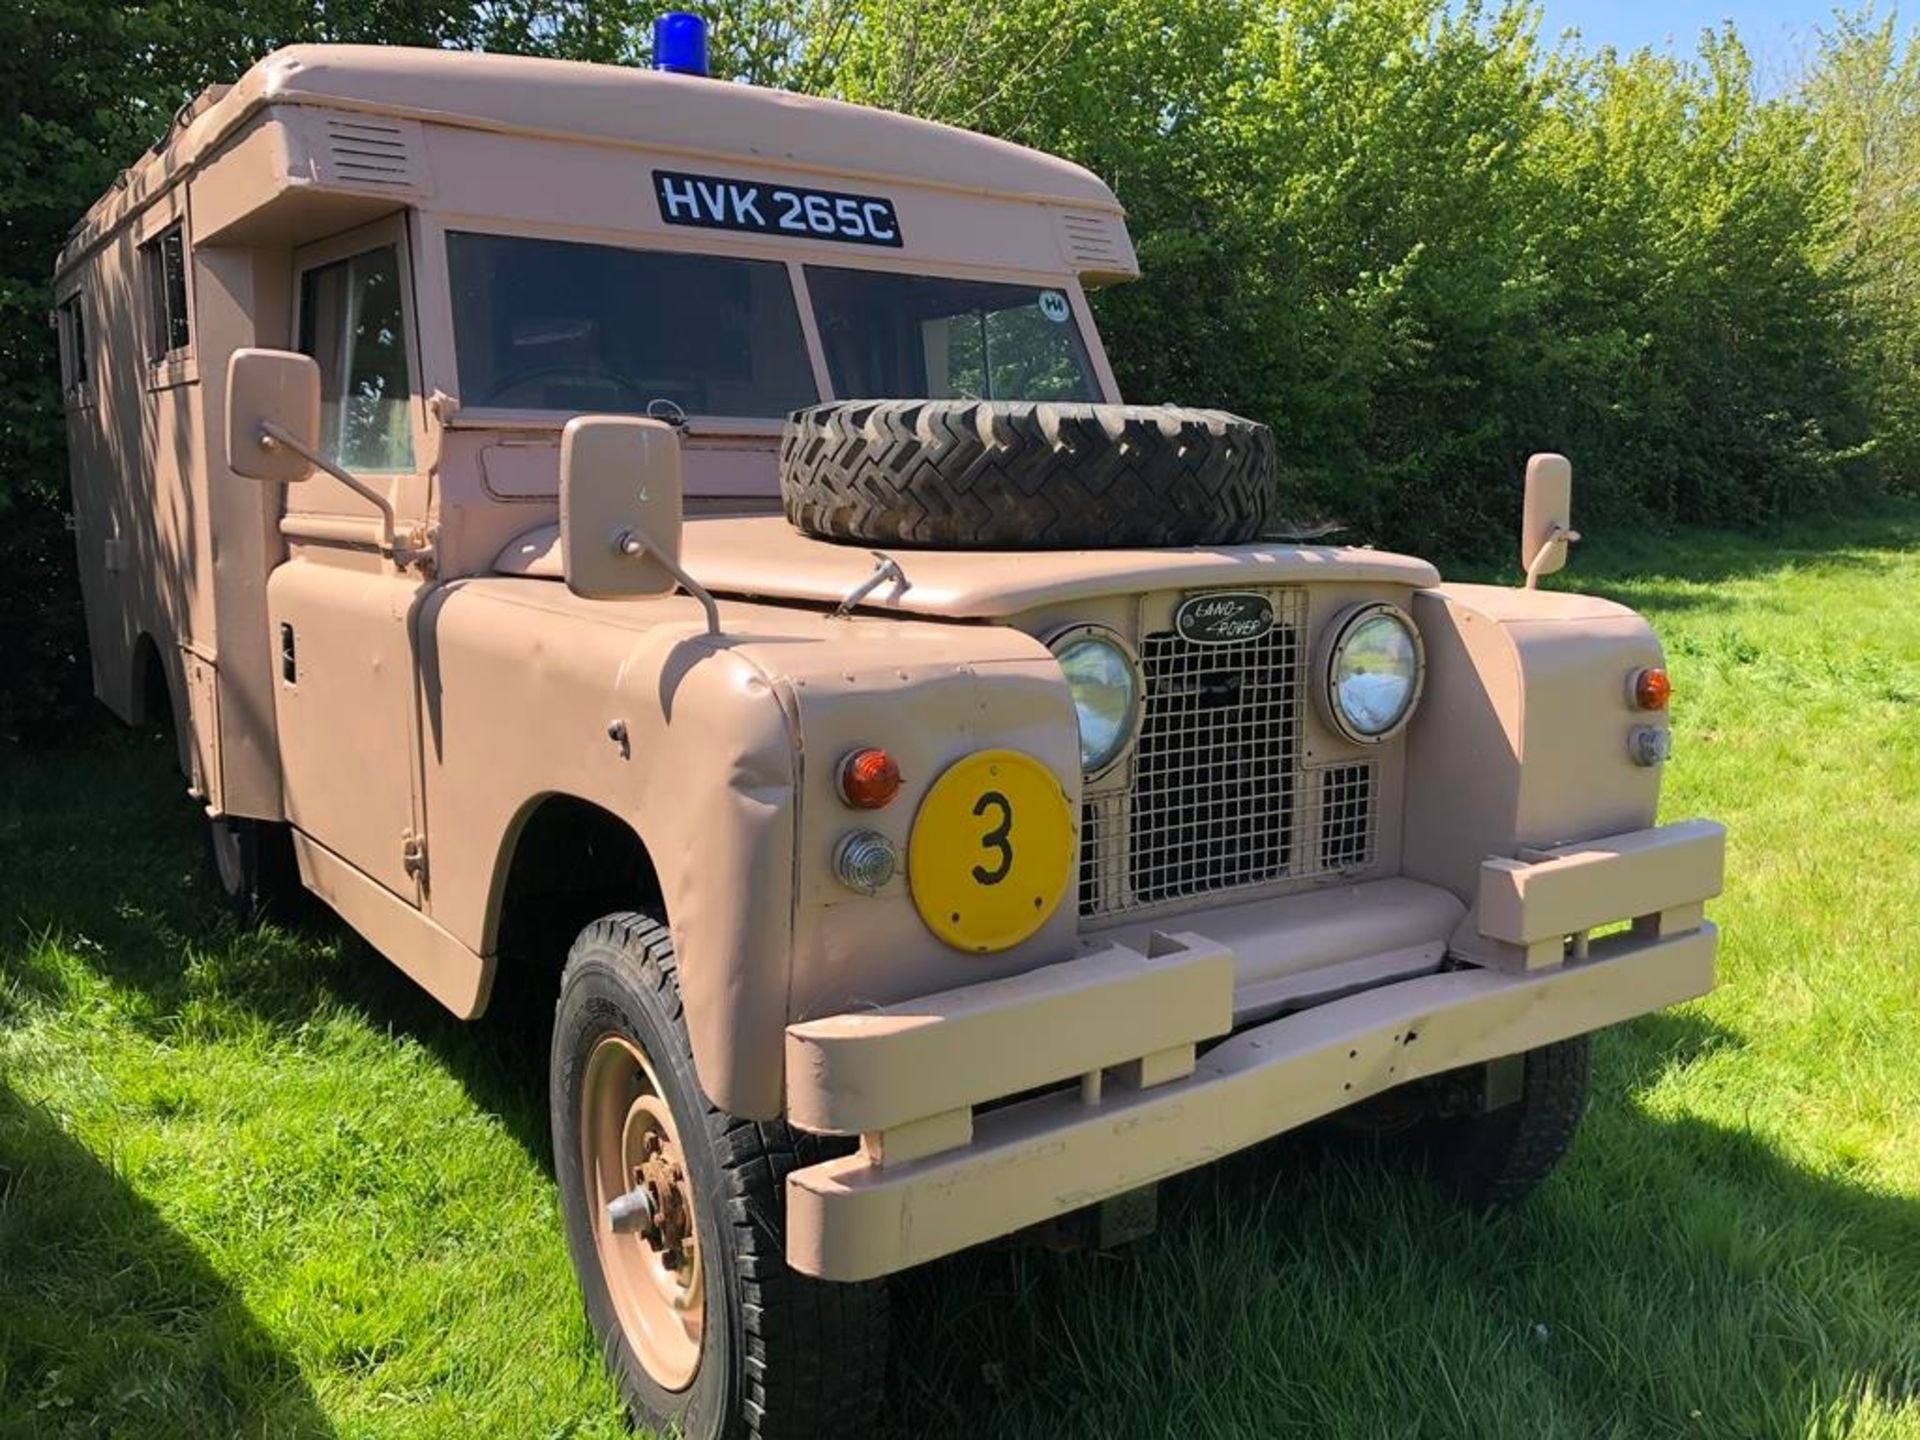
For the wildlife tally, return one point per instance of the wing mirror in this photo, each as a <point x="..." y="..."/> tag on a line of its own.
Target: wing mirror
<point x="1546" y="524"/>
<point x="620" y="510"/>
<point x="273" y="415"/>
<point x="273" y="434"/>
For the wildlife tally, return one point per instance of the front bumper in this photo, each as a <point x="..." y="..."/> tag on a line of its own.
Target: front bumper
<point x="933" y="1174"/>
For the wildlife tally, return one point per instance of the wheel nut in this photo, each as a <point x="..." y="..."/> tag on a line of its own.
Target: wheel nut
<point x="631" y="1211"/>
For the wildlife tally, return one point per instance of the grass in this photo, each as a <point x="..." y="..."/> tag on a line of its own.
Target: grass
<point x="252" y="1183"/>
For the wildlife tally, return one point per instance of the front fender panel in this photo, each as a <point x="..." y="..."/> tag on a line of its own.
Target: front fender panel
<point x="1520" y="741"/>
<point x="529" y="692"/>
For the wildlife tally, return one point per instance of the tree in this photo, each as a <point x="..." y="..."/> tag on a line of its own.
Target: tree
<point x="1864" y="95"/>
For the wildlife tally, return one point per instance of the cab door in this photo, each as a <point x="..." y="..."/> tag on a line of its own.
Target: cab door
<point x="342" y="614"/>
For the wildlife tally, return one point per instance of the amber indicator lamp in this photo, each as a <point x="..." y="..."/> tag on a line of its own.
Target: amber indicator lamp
<point x="1651" y="688"/>
<point x="869" y="778"/>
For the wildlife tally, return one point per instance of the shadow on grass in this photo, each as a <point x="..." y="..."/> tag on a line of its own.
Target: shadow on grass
<point x="1677" y="1278"/>
<point x="98" y="845"/>
<point x="111" y="1323"/>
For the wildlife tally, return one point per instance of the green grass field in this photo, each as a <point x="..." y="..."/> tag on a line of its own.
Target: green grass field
<point x="252" y="1183"/>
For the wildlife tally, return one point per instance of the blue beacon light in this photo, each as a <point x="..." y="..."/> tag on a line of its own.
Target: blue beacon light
<point x="680" y="43"/>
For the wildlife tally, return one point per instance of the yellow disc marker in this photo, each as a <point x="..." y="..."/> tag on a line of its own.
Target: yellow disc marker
<point x="991" y="850"/>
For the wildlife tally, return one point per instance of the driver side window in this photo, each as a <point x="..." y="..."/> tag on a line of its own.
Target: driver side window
<point x="353" y="323"/>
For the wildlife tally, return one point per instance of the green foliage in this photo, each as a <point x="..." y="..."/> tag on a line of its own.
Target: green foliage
<point x="1420" y="247"/>
<point x="1864" y="98"/>
<point x="1405" y="234"/>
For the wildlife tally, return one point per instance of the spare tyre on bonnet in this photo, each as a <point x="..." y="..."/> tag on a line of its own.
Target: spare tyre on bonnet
<point x="1025" y="475"/>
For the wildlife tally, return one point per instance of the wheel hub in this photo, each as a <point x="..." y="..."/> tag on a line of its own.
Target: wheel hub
<point x="662" y="1182"/>
<point x="645" y="1231"/>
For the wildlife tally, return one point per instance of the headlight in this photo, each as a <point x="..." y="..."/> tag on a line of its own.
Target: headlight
<point x="1105" y="681"/>
<point x="1374" y="673"/>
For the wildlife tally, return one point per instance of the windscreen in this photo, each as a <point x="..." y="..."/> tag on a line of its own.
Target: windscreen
<point x="559" y="325"/>
<point x="888" y="335"/>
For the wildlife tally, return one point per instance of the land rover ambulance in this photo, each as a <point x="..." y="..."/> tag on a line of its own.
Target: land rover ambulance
<point x="685" y="539"/>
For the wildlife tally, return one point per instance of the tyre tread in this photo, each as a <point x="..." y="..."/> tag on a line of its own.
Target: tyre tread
<point x="1020" y="475"/>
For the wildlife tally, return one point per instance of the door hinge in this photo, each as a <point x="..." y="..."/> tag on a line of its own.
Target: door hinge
<point x="413" y="854"/>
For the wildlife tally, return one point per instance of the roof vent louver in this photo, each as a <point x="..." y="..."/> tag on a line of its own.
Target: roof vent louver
<point x="1097" y="244"/>
<point x="370" y="154"/>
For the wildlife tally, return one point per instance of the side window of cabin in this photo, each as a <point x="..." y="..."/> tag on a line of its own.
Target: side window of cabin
<point x="75" y="367"/>
<point x="353" y="323"/>
<point x="163" y="270"/>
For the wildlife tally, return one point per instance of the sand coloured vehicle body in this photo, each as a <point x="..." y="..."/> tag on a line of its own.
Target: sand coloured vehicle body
<point x="426" y="413"/>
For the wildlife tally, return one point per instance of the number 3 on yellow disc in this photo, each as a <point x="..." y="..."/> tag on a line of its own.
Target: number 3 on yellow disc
<point x="991" y="850"/>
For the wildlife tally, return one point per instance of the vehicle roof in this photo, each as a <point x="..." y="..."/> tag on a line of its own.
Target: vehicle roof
<point x="609" y="104"/>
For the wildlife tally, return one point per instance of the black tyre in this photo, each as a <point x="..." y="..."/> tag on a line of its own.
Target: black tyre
<point x="701" y="1322"/>
<point x="252" y="864"/>
<point x="1498" y="1157"/>
<point x="1017" y="475"/>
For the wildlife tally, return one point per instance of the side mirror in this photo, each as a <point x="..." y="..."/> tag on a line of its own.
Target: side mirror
<point x="619" y="506"/>
<point x="1546" y="524"/>
<point x="277" y="389"/>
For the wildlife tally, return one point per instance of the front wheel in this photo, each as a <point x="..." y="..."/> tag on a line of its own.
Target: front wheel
<point x="674" y="1216"/>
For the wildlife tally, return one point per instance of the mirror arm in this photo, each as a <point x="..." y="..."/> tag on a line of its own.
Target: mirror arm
<point x="632" y="542"/>
<point x="1560" y="536"/>
<point x="273" y="436"/>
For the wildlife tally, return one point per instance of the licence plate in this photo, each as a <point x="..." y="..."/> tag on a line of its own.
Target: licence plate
<point x="758" y="207"/>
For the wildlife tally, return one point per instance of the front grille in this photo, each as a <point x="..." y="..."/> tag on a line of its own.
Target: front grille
<point x="1345" y="802"/>
<point x="1211" y="798"/>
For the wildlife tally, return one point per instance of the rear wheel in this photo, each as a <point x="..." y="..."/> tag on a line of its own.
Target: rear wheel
<point x="674" y="1216"/>
<point x="252" y="863"/>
